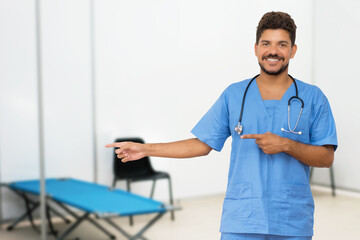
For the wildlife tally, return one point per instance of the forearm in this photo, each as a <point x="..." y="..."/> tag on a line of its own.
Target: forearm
<point x="180" y="149"/>
<point x="316" y="156"/>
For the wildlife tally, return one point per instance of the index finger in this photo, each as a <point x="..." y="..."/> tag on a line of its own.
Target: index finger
<point x="252" y="136"/>
<point x="116" y="144"/>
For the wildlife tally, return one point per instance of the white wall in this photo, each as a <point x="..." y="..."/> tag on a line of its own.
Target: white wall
<point x="67" y="89"/>
<point x="337" y="61"/>
<point x="160" y="65"/>
<point x="18" y="92"/>
<point x="67" y="93"/>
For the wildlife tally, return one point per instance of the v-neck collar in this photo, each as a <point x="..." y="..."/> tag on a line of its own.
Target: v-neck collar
<point x="284" y="97"/>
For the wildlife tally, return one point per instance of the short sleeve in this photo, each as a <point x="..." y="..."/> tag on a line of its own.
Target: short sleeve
<point x="213" y="127"/>
<point x="323" y="129"/>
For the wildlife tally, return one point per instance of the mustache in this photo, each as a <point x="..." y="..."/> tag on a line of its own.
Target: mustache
<point x="272" y="56"/>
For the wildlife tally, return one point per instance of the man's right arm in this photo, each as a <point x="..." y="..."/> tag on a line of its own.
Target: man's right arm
<point x="130" y="151"/>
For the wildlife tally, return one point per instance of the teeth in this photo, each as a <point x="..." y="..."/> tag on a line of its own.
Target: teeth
<point x="272" y="60"/>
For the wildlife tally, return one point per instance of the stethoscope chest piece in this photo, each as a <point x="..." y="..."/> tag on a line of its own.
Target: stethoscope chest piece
<point x="239" y="128"/>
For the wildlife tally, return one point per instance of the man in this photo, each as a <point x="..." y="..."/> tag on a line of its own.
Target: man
<point x="268" y="194"/>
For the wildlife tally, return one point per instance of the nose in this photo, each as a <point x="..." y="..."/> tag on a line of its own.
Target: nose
<point x="273" y="50"/>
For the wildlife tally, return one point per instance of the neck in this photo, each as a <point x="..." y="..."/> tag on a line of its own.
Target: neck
<point x="274" y="80"/>
<point x="273" y="86"/>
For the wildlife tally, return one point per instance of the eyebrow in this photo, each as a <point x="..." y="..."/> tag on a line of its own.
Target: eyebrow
<point x="284" y="42"/>
<point x="267" y="41"/>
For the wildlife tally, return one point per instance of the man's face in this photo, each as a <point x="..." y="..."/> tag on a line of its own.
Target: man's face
<point x="274" y="51"/>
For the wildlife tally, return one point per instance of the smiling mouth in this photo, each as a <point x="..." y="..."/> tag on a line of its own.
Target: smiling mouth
<point x="273" y="58"/>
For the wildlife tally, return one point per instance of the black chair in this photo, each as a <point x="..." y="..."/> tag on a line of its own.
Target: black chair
<point x="140" y="170"/>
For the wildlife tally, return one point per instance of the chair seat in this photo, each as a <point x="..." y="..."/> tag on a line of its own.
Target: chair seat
<point x="149" y="176"/>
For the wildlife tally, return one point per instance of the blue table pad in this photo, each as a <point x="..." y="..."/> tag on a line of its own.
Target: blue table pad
<point x="92" y="197"/>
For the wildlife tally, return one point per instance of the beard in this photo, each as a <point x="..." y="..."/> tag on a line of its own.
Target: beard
<point x="281" y="70"/>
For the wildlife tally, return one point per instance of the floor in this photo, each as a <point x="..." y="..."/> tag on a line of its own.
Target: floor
<point x="336" y="218"/>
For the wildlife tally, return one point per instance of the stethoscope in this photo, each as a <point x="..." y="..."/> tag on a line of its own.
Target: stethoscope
<point x="239" y="127"/>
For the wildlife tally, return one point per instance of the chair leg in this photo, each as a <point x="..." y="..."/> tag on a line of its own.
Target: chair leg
<point x="171" y="198"/>
<point x="332" y="181"/>
<point x="131" y="220"/>
<point x="153" y="189"/>
<point x="114" y="182"/>
<point x="311" y="172"/>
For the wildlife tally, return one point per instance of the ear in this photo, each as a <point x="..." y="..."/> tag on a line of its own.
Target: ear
<point x="255" y="49"/>
<point x="293" y="51"/>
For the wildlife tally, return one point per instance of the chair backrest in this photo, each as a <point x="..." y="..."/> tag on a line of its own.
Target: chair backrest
<point x="141" y="167"/>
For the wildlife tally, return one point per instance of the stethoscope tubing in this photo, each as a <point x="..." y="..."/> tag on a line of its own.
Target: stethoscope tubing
<point x="240" y="127"/>
<point x="243" y="101"/>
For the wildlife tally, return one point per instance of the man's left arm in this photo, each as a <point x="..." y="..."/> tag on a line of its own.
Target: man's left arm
<point x="316" y="156"/>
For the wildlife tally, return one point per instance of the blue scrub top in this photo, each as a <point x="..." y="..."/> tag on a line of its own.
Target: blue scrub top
<point x="267" y="194"/>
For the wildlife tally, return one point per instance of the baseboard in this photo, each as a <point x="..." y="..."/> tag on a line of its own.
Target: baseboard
<point x="339" y="191"/>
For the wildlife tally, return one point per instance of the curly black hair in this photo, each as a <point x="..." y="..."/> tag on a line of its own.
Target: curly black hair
<point x="276" y="20"/>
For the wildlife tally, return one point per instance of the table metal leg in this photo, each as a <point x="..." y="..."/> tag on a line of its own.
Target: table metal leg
<point x="73" y="226"/>
<point x="31" y="206"/>
<point x="122" y="231"/>
<point x="28" y="202"/>
<point x="22" y="217"/>
<point x="101" y="228"/>
<point x="59" y="215"/>
<point x="147" y="226"/>
<point x="89" y="219"/>
<point x="51" y="226"/>
<point x="139" y="234"/>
